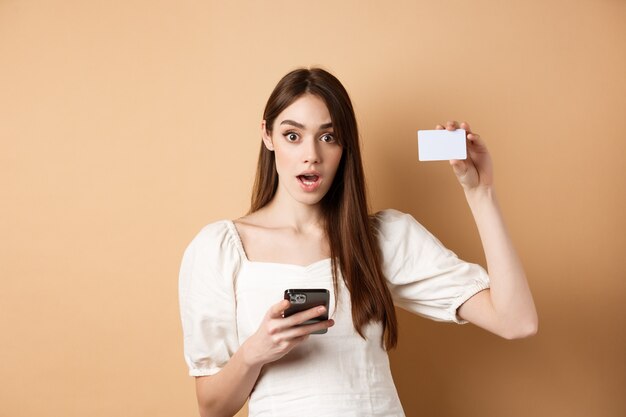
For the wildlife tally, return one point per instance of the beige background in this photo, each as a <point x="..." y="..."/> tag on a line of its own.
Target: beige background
<point x="127" y="126"/>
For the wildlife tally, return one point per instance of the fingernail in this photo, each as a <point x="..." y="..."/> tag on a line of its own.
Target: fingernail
<point x="321" y="309"/>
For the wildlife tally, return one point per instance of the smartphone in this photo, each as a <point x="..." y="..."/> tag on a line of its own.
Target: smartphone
<point x="304" y="299"/>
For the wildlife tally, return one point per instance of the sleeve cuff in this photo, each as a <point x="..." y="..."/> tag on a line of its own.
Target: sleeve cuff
<point x="203" y="371"/>
<point x="466" y="295"/>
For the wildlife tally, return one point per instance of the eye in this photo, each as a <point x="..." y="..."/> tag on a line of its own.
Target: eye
<point x="328" y="138"/>
<point x="290" y="136"/>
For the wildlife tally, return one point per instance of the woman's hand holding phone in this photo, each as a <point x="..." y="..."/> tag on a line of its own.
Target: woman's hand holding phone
<point x="277" y="335"/>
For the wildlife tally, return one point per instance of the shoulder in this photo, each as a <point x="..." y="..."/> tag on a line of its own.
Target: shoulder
<point x="390" y="223"/>
<point x="214" y="246"/>
<point x="400" y="234"/>
<point x="212" y="234"/>
<point x="391" y="215"/>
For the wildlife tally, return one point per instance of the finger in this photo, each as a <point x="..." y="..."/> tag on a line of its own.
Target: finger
<point x="439" y="127"/>
<point x="303" y="316"/>
<point x="452" y="125"/>
<point x="466" y="127"/>
<point x="475" y="140"/>
<point x="459" y="166"/>
<point x="304" y="330"/>
<point x="276" y="311"/>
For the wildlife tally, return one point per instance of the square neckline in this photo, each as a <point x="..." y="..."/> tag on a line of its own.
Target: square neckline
<point x="239" y="243"/>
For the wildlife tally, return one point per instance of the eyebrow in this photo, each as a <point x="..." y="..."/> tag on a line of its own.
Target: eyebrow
<point x="301" y="126"/>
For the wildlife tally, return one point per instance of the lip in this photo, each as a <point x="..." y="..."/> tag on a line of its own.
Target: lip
<point x="310" y="172"/>
<point x="310" y="187"/>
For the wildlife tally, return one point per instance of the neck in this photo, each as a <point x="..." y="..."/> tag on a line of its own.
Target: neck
<point x="284" y="211"/>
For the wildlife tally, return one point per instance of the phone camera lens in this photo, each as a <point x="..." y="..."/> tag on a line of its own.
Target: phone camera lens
<point x="297" y="298"/>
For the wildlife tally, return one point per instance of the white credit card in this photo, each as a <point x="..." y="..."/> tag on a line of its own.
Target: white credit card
<point x="441" y="144"/>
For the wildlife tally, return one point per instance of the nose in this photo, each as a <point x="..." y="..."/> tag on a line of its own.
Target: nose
<point x="311" y="151"/>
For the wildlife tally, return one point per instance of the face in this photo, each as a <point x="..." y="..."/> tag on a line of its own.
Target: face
<point x="306" y="152"/>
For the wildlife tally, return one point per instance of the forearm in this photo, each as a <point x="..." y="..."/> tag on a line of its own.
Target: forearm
<point x="511" y="297"/>
<point x="224" y="393"/>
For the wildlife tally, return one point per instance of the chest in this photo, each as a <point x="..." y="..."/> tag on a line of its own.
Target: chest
<point x="263" y="245"/>
<point x="258" y="286"/>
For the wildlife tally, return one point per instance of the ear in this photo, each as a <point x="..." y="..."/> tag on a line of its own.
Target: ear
<point x="267" y="140"/>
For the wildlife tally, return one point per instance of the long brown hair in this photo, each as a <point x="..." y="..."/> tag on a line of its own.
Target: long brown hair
<point x="350" y="230"/>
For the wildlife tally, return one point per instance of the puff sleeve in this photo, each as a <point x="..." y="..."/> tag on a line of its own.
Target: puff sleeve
<point x="425" y="277"/>
<point x="207" y="300"/>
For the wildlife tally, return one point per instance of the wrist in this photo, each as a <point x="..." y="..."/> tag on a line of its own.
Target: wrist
<point x="248" y="357"/>
<point x="482" y="201"/>
<point x="480" y="193"/>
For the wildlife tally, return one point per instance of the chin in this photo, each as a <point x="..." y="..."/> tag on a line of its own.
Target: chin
<point x="311" y="199"/>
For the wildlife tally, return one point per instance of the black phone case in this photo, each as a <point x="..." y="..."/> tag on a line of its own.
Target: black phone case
<point x="313" y="297"/>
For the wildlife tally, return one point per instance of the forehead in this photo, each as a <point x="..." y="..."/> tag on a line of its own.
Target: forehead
<point x="307" y="109"/>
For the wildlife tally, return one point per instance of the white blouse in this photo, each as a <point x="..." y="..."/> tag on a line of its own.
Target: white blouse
<point x="224" y="296"/>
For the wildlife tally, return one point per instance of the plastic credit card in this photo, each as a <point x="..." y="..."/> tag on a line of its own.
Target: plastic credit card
<point x="441" y="144"/>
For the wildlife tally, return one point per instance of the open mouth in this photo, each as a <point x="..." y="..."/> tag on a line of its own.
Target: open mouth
<point x="308" y="179"/>
<point x="309" y="183"/>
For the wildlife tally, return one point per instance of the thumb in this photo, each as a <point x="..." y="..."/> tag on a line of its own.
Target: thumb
<point x="459" y="167"/>
<point x="276" y="311"/>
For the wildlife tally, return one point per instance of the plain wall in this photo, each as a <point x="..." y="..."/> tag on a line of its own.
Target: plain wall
<point x="127" y="126"/>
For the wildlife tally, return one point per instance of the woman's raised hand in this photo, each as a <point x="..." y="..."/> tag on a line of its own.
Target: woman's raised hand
<point x="276" y="335"/>
<point x="477" y="170"/>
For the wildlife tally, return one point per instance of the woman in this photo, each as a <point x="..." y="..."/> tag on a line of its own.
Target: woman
<point x="309" y="227"/>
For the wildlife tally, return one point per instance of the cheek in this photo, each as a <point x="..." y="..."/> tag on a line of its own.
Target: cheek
<point x="337" y="159"/>
<point x="283" y="160"/>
